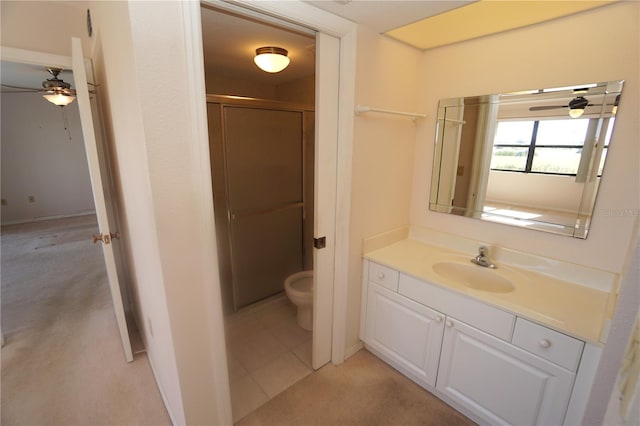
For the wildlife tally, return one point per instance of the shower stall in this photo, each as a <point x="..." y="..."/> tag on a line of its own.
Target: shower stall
<point x="262" y="175"/>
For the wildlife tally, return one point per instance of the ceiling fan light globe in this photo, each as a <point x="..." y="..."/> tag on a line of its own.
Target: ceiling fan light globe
<point x="271" y="59"/>
<point x="576" y="112"/>
<point x="59" y="99"/>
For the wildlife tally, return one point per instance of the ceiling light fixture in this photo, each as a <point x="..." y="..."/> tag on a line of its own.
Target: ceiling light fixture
<point x="271" y="59"/>
<point x="59" y="92"/>
<point x="59" y="99"/>
<point x="577" y="106"/>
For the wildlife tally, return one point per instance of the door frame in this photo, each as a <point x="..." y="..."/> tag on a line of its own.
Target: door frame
<point x="337" y="112"/>
<point x="114" y="268"/>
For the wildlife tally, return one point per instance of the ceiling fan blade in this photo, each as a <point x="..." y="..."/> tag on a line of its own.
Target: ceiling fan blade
<point x="17" y="91"/>
<point x="26" y="89"/>
<point x="546" y="107"/>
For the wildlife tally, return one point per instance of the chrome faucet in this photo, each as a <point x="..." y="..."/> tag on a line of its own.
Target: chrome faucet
<point x="482" y="258"/>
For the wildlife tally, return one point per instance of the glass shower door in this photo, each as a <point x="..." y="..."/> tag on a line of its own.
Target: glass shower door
<point x="264" y="166"/>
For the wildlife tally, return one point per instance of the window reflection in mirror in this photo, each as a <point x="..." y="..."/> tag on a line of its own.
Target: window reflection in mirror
<point x="532" y="159"/>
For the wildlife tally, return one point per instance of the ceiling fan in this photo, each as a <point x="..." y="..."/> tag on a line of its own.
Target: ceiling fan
<point x="576" y="106"/>
<point x="56" y="90"/>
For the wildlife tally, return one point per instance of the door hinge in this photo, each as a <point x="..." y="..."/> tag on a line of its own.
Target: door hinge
<point x="320" y="242"/>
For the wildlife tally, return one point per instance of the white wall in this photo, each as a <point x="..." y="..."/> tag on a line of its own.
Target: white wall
<point x="174" y="179"/>
<point x="383" y="149"/>
<point x="543" y="55"/>
<point x="614" y="353"/>
<point x="39" y="160"/>
<point x="113" y="56"/>
<point x="36" y="25"/>
<point x="532" y="190"/>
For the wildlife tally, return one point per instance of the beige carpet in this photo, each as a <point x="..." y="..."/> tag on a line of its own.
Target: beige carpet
<point x="362" y="391"/>
<point x="62" y="363"/>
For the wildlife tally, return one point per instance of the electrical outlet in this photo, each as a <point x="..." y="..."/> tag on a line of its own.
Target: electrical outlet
<point x="4" y="202"/>
<point x="31" y="199"/>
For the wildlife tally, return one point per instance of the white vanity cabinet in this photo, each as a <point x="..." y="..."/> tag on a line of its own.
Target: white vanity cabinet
<point x="493" y="365"/>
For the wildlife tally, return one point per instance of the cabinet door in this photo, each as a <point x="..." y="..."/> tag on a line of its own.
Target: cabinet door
<point x="499" y="382"/>
<point x="404" y="333"/>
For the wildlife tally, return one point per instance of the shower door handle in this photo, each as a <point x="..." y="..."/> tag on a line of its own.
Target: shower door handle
<point x="320" y="242"/>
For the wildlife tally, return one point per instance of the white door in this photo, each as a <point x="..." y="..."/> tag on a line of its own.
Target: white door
<point x="93" y="159"/>
<point x="326" y="150"/>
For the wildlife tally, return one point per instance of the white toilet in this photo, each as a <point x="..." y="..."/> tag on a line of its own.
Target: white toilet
<point x="299" y="289"/>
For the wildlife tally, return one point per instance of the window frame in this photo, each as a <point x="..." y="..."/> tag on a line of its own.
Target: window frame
<point x="531" y="147"/>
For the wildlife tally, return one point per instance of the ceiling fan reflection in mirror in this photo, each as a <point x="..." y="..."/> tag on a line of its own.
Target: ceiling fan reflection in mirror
<point x="576" y="106"/>
<point x="55" y="90"/>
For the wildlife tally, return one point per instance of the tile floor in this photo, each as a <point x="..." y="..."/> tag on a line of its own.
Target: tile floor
<point x="267" y="352"/>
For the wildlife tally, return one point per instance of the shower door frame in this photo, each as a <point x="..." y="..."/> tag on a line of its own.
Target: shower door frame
<point x="220" y="183"/>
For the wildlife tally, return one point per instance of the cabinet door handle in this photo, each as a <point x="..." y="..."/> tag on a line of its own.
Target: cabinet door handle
<point x="449" y="323"/>
<point x="544" y="343"/>
<point x="381" y="275"/>
<point x="439" y="318"/>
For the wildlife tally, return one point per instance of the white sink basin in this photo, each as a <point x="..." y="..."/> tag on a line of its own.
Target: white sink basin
<point x="474" y="276"/>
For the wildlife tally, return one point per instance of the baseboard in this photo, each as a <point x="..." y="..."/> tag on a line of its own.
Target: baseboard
<point x="136" y="319"/>
<point x="353" y="349"/>
<point x="162" y="395"/>
<point x="45" y="218"/>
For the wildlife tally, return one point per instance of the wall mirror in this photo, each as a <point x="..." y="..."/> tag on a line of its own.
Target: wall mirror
<point x="532" y="159"/>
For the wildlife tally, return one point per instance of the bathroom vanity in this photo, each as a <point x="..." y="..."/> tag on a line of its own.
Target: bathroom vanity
<point x="515" y="345"/>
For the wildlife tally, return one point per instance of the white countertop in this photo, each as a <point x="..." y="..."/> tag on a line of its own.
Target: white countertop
<point x="567" y="307"/>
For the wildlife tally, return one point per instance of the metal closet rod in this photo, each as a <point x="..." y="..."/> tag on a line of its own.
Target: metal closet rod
<point x="362" y="109"/>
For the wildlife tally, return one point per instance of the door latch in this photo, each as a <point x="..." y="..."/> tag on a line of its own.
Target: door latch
<point x="320" y="242"/>
<point x="106" y="238"/>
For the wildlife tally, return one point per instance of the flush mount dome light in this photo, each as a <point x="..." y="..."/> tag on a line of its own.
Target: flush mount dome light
<point x="271" y="59"/>
<point x="577" y="106"/>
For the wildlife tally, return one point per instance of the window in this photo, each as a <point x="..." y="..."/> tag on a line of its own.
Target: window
<point x="540" y="146"/>
<point x="511" y="145"/>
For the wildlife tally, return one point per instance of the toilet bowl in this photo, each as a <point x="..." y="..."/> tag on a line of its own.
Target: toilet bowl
<point x="299" y="289"/>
